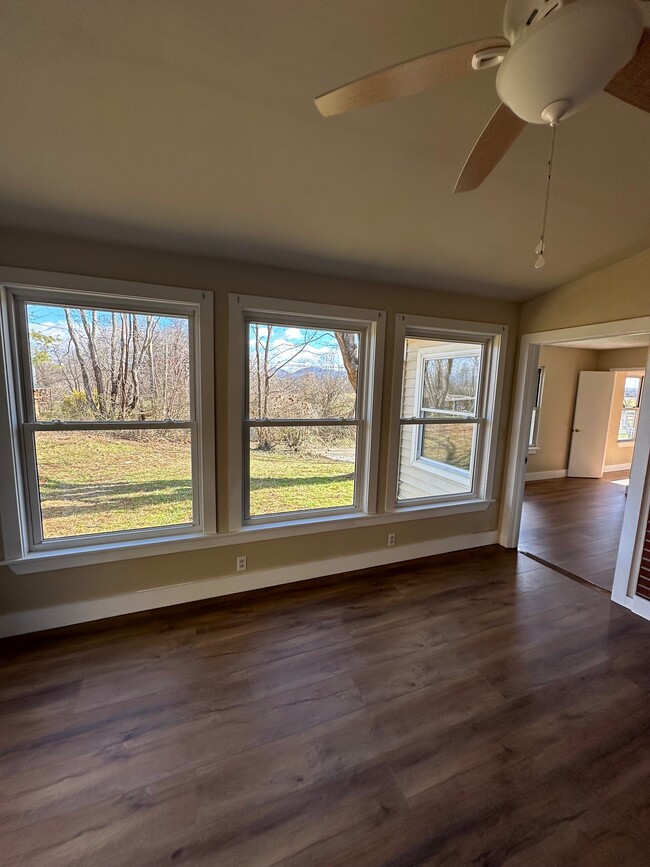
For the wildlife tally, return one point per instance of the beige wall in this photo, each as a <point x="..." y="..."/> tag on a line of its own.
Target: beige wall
<point x="47" y="252"/>
<point x="633" y="358"/>
<point x="621" y="291"/>
<point x="562" y="369"/>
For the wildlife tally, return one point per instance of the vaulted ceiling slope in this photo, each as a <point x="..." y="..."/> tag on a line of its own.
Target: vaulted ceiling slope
<point x="190" y="125"/>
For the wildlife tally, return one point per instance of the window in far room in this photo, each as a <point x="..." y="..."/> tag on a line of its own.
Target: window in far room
<point x="630" y="413"/>
<point x="537" y="407"/>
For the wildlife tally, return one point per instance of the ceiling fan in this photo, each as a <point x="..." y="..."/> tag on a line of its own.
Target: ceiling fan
<point x="555" y="57"/>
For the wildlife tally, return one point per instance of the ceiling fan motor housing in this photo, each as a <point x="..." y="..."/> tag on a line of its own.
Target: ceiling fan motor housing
<point x="564" y="52"/>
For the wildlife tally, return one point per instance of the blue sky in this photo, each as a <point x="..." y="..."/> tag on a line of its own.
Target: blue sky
<point x="322" y="351"/>
<point x="50" y="319"/>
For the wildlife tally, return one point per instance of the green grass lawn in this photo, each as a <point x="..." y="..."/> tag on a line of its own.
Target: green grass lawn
<point x="91" y="483"/>
<point x="282" y="482"/>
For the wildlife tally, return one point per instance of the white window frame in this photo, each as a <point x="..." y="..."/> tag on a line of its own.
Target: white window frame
<point x="494" y="338"/>
<point x="370" y="324"/>
<point x="417" y="458"/>
<point x="533" y="443"/>
<point x="20" y="499"/>
<point x="634" y="409"/>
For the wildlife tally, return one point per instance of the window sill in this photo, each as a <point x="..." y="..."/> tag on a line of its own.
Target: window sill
<point x="66" y="558"/>
<point x="626" y="444"/>
<point x="532" y="450"/>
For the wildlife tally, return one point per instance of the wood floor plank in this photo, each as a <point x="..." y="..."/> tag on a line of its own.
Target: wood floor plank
<point x="474" y="708"/>
<point x="575" y="524"/>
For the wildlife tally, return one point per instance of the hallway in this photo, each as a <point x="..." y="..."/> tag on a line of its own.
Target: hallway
<point x="575" y="524"/>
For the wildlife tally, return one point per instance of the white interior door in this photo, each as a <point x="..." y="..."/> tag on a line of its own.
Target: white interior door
<point x="590" y="424"/>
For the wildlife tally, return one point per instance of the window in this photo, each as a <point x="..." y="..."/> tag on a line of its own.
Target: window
<point x="309" y="385"/>
<point x="108" y="417"/>
<point x="534" y="422"/>
<point x="632" y="391"/>
<point x="447" y="381"/>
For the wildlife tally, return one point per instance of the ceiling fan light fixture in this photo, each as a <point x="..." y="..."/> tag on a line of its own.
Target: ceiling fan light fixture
<point x="556" y="111"/>
<point x="569" y="55"/>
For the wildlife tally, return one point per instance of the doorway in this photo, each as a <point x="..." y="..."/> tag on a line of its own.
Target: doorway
<point x="574" y="487"/>
<point x="583" y="432"/>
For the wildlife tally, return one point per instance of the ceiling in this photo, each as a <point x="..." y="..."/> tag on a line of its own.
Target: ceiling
<point x="623" y="341"/>
<point x="189" y="124"/>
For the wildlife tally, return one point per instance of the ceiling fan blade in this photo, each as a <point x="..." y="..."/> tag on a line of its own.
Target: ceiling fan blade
<point x="406" y="78"/>
<point x="632" y="83"/>
<point x="501" y="132"/>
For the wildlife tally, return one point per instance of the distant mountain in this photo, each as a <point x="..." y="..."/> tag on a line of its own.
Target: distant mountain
<point x="313" y="370"/>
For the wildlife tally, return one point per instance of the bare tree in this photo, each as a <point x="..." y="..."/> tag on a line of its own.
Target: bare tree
<point x="437" y="373"/>
<point x="109" y="366"/>
<point x="349" y="345"/>
<point x="267" y="361"/>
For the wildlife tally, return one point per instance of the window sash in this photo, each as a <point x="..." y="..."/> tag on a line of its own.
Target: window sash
<point x="25" y="370"/>
<point x="280" y="423"/>
<point x="166" y="424"/>
<point x="634" y="411"/>
<point x="359" y="420"/>
<point x="490" y="342"/>
<point x="445" y="469"/>
<point x="28" y="425"/>
<point x="315" y="324"/>
<point x="303" y="422"/>
<point x="466" y="419"/>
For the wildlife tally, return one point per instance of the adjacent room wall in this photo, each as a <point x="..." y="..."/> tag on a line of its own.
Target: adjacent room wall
<point x="633" y="358"/>
<point x="562" y="369"/>
<point x="20" y="593"/>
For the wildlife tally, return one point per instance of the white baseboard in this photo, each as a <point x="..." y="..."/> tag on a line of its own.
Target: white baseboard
<point x="546" y="474"/>
<point x="616" y="468"/>
<point x="38" y="619"/>
<point x="636" y="604"/>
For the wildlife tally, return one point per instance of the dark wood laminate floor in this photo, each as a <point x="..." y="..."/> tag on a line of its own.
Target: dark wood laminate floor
<point x="576" y="524"/>
<point x="473" y="708"/>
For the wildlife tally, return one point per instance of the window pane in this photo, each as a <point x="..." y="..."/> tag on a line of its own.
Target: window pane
<point x="533" y="428"/>
<point x="436" y="460"/>
<point x="449" y="444"/>
<point x="301" y="372"/>
<point x="97" y="365"/>
<point x="627" y="429"/>
<point x="441" y="378"/>
<point x="294" y="469"/>
<point x="538" y="390"/>
<point x="632" y="392"/>
<point x="98" y="481"/>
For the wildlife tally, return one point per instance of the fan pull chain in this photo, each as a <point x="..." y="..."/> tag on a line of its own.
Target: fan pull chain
<point x="540" y="249"/>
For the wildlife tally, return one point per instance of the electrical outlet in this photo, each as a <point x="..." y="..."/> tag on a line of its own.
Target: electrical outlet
<point x="241" y="564"/>
<point x="391" y="540"/>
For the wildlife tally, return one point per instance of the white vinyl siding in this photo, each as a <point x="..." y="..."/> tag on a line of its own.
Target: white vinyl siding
<point x="416" y="477"/>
